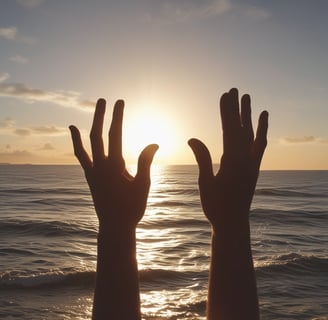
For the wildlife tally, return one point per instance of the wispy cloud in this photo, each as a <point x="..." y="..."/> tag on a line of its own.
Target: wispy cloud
<point x="305" y="139"/>
<point x="172" y="11"/>
<point x="30" y="3"/>
<point x="255" y="13"/>
<point x="7" y="123"/>
<point x="43" y="154"/>
<point x="47" y="147"/>
<point x="12" y="33"/>
<point x="9" y="33"/>
<point x="22" y="156"/>
<point x="14" y="154"/>
<point x="23" y="92"/>
<point x="19" y="59"/>
<point x="8" y="126"/>
<point x="48" y="130"/>
<point x="22" y="132"/>
<point x="41" y="130"/>
<point x="4" y="76"/>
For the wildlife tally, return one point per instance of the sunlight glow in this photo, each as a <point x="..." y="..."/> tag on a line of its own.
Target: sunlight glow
<point x="149" y="127"/>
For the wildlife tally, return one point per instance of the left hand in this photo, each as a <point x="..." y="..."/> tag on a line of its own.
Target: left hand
<point x="119" y="199"/>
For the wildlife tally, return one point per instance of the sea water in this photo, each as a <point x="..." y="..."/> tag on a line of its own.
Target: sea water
<point x="48" y="231"/>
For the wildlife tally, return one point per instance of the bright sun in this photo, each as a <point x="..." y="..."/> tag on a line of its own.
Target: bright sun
<point x="146" y="128"/>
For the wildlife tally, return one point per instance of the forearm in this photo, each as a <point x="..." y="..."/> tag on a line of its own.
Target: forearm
<point x="117" y="283"/>
<point x="232" y="285"/>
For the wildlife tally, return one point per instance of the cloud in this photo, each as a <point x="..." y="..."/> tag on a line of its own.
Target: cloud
<point x="23" y="156"/>
<point x="41" y="130"/>
<point x="185" y="10"/>
<point x="323" y="140"/>
<point x="22" y="132"/>
<point x="4" y="76"/>
<point x="48" y="130"/>
<point x="20" y="91"/>
<point x="19" y="155"/>
<point x="7" y="123"/>
<point x="9" y="33"/>
<point x="19" y="59"/>
<point x="255" y="12"/>
<point x="305" y="139"/>
<point x="30" y="3"/>
<point x="47" y="146"/>
<point x="173" y="11"/>
<point x="8" y="126"/>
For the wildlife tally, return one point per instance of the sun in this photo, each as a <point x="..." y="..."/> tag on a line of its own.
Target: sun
<point x="147" y="127"/>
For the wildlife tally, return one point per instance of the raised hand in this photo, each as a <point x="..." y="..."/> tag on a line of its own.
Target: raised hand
<point x="226" y="198"/>
<point x="230" y="191"/>
<point x="120" y="202"/>
<point x="119" y="199"/>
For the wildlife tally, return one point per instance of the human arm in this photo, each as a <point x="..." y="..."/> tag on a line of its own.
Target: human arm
<point x="120" y="202"/>
<point x="226" y="199"/>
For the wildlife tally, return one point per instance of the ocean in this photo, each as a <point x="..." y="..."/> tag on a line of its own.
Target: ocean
<point x="48" y="231"/>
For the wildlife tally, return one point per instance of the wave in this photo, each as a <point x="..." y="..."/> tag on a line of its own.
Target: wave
<point x="175" y="203"/>
<point x="293" y="264"/>
<point x="183" y="191"/>
<point x="50" y="280"/>
<point x="45" y="228"/>
<point x="281" y="192"/>
<point x="45" y="191"/>
<point x="304" y="216"/>
<point x="202" y="223"/>
<point x="86" y="279"/>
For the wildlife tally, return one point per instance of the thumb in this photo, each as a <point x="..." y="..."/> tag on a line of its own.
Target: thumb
<point x="144" y="162"/>
<point x="203" y="158"/>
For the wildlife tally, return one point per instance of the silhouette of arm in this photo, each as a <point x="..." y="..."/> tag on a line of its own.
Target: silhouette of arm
<point x="226" y="199"/>
<point x="120" y="202"/>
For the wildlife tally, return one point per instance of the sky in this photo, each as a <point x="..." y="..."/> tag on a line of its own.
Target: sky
<point x="170" y="61"/>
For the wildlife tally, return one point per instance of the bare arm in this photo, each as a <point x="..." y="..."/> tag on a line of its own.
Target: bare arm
<point x="120" y="202"/>
<point x="226" y="198"/>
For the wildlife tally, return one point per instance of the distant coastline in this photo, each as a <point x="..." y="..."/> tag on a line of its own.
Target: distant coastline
<point x="215" y="166"/>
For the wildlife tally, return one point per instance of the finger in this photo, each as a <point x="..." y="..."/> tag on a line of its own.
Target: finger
<point x="228" y="127"/>
<point x="115" y="132"/>
<point x="246" y="117"/>
<point x="203" y="158"/>
<point x="234" y="105"/>
<point x="97" y="144"/>
<point x="226" y="112"/>
<point x="79" y="151"/>
<point x="260" y="142"/>
<point x="144" y="162"/>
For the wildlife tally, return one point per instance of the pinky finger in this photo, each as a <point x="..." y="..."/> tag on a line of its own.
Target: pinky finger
<point x="79" y="150"/>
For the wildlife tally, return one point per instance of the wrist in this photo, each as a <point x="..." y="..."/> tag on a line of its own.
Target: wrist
<point x="109" y="231"/>
<point x="235" y="230"/>
<point x="118" y="243"/>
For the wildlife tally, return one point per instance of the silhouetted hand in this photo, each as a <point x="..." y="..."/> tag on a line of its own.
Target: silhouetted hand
<point x="120" y="202"/>
<point x="226" y="198"/>
<point x="228" y="194"/>
<point x="119" y="199"/>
